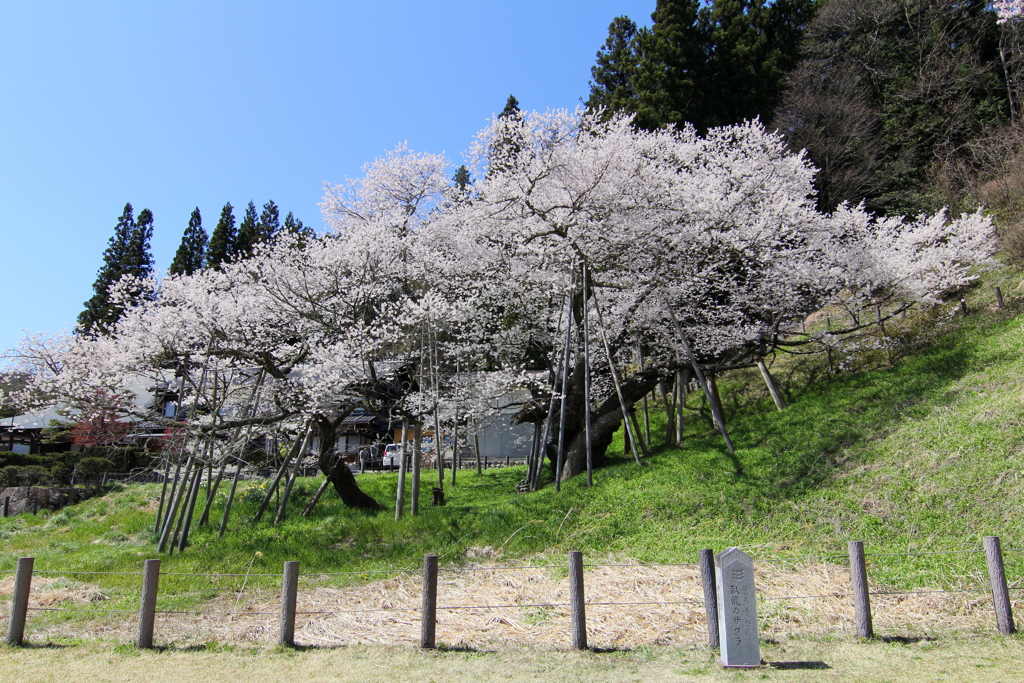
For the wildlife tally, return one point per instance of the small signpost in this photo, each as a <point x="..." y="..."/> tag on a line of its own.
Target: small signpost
<point x="737" y="612"/>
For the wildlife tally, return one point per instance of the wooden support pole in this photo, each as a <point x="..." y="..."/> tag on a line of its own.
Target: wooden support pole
<point x="147" y="604"/>
<point x="186" y="517"/>
<point x="542" y="451"/>
<point x="628" y="433"/>
<point x="586" y="375"/>
<point x="455" y="441"/>
<point x="417" y="463"/>
<point x="560" y="457"/>
<point x="999" y="298"/>
<point x="211" y="491"/>
<point x="715" y="407"/>
<point x="293" y="476"/>
<point x="997" y="579"/>
<point x="231" y="499"/>
<point x="476" y="447"/>
<point x="289" y="595"/>
<point x="636" y="430"/>
<point x="19" y="601"/>
<point x="402" y="467"/>
<point x="773" y="389"/>
<point x="316" y="496"/>
<point x="438" y="453"/>
<point x="172" y="509"/>
<point x="294" y="452"/>
<point x="184" y="491"/>
<point x="428" y="613"/>
<point x="707" y="576"/>
<point x="859" y="583"/>
<point x="7" y="506"/>
<point x="163" y="497"/>
<point x="577" y="611"/>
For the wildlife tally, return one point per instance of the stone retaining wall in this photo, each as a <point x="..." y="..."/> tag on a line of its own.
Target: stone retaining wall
<point x="33" y="498"/>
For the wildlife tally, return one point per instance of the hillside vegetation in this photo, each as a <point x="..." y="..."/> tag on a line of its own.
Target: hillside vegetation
<point x="921" y="456"/>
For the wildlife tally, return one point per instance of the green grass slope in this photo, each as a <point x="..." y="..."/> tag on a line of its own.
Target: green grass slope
<point x="922" y="456"/>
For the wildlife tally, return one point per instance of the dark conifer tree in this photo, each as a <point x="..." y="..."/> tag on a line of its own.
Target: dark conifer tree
<point x="671" y="74"/>
<point x="511" y="108"/>
<point x="269" y="222"/>
<point x="222" y="241"/>
<point x="462" y="179"/>
<point x="613" y="76"/>
<point x="248" y="233"/>
<point x="295" y="227"/>
<point x="127" y="253"/>
<point x="753" y="45"/>
<point x="97" y="311"/>
<point x="139" y="261"/>
<point x="191" y="253"/>
<point x="707" y="64"/>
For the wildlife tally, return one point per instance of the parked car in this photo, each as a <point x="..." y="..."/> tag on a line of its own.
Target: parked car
<point x="392" y="456"/>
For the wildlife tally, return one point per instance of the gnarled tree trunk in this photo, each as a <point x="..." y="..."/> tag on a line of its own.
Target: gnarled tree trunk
<point x="336" y="470"/>
<point x="605" y="419"/>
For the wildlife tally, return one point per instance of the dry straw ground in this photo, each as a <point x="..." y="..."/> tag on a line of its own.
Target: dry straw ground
<point x="629" y="606"/>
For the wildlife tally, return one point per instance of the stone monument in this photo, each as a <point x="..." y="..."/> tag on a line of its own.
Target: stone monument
<point x="737" y="610"/>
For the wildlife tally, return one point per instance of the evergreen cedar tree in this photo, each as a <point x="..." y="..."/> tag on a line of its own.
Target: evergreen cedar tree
<point x="252" y="231"/>
<point x="269" y="223"/>
<point x="222" y="241"/>
<point x="718" y="230"/>
<point x="701" y="64"/>
<point x="248" y="232"/>
<point x="191" y="254"/>
<point x="127" y="253"/>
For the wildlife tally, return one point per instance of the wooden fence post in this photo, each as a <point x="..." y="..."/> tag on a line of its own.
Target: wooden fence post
<point x="707" y="575"/>
<point x="428" y="612"/>
<point x="577" y="612"/>
<point x="289" y="593"/>
<point x="19" y="601"/>
<point x="999" y="298"/>
<point x="997" y="579"/>
<point x="7" y="506"/>
<point x="859" y="582"/>
<point x="147" y="605"/>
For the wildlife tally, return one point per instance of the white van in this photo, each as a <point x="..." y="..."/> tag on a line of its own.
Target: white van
<point x="392" y="456"/>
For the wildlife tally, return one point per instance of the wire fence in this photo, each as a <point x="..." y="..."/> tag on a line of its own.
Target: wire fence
<point x="625" y="604"/>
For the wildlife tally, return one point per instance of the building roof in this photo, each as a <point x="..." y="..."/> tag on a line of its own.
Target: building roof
<point x="34" y="420"/>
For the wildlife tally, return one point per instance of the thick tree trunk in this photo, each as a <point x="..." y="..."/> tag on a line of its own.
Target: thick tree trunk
<point x="605" y="419"/>
<point x="337" y="471"/>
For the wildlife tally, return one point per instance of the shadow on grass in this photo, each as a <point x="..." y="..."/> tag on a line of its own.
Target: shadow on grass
<point x="798" y="665"/>
<point x="786" y="454"/>
<point x="462" y="648"/>
<point x="907" y="640"/>
<point x="38" y="646"/>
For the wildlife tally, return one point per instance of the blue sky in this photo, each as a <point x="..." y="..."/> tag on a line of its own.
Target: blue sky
<point x="174" y="105"/>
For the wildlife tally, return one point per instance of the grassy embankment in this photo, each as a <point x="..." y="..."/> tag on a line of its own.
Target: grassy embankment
<point x="924" y="455"/>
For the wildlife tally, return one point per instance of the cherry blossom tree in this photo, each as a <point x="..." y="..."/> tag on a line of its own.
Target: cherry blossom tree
<point x="579" y="243"/>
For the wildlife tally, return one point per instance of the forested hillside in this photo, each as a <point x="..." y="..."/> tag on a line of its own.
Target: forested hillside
<point x="905" y="105"/>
